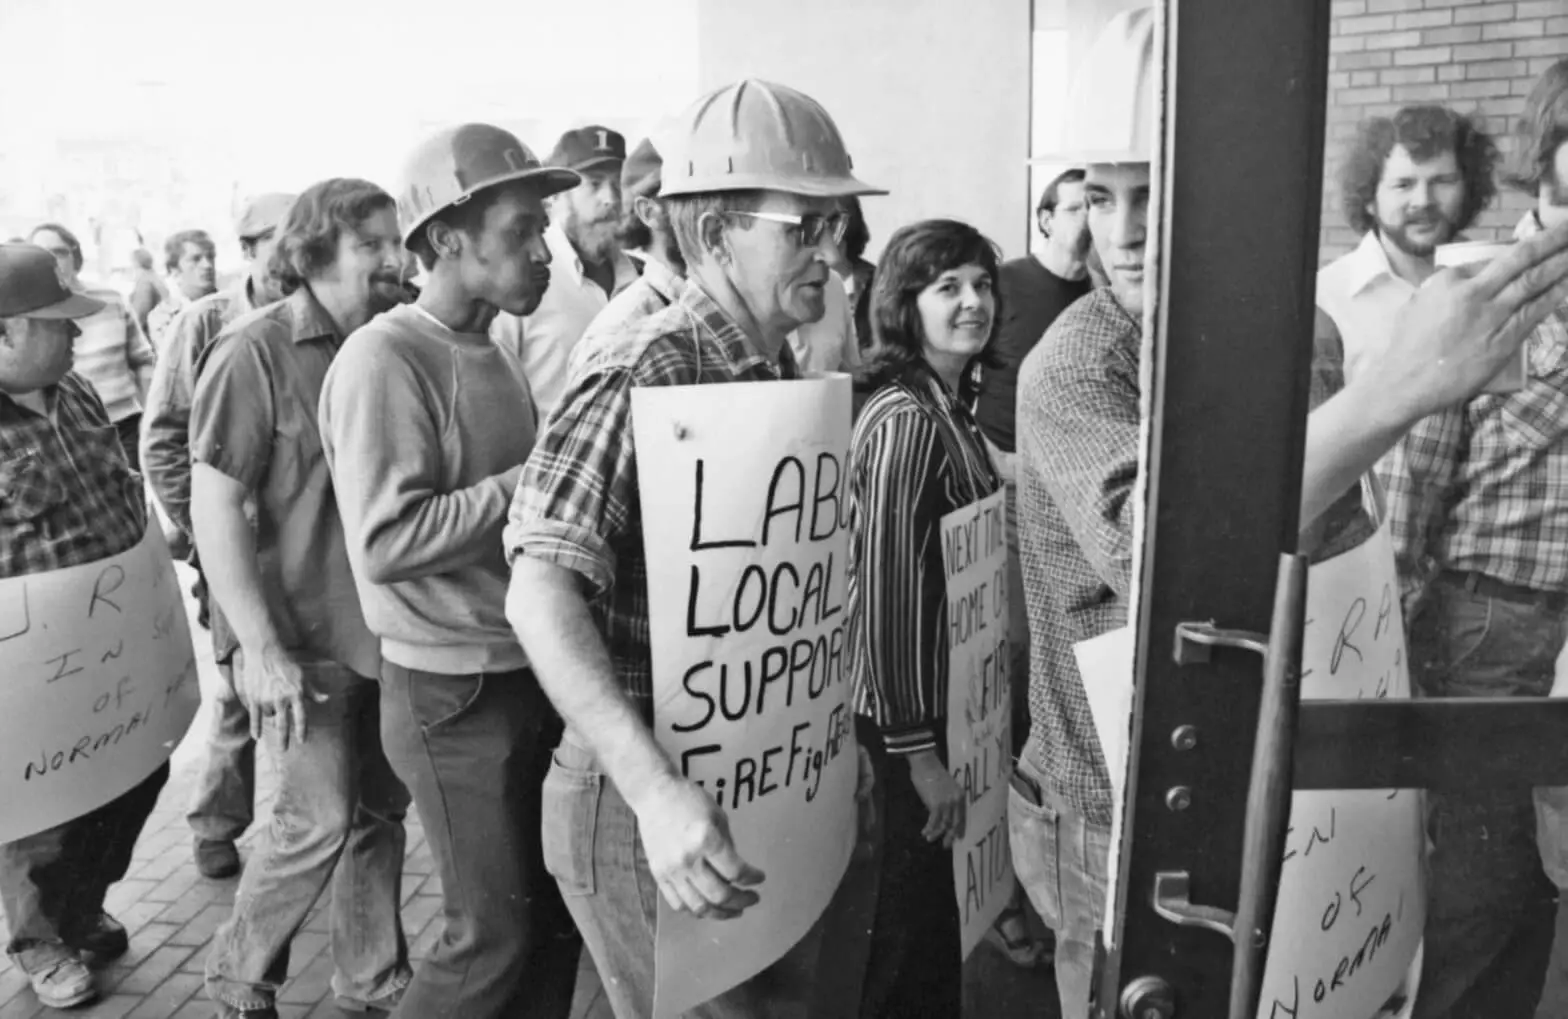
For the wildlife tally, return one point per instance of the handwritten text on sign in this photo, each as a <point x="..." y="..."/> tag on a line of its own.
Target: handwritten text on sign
<point x="743" y="503"/>
<point x="979" y="707"/>
<point x="1351" y="900"/>
<point x="100" y="684"/>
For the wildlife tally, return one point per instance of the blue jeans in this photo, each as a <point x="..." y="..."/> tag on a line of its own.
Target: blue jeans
<point x="474" y="750"/>
<point x="223" y="804"/>
<point x="1061" y="860"/>
<point x="592" y="846"/>
<point x="54" y="882"/>
<point x="337" y="820"/>
<point x="1490" y="909"/>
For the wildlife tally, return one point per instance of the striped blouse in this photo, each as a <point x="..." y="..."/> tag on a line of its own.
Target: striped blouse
<point x="916" y="456"/>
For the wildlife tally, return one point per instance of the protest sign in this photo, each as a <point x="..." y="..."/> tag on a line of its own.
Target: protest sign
<point x="1351" y="905"/>
<point x="744" y="492"/>
<point x="100" y="684"/>
<point x="979" y="708"/>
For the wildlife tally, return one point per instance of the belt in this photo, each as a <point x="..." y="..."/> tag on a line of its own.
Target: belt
<point x="1491" y="587"/>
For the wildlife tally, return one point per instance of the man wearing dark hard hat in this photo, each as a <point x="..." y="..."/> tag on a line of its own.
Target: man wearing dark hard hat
<point x="589" y="267"/>
<point x="223" y="804"/>
<point x="752" y="181"/>
<point x="67" y="498"/>
<point x="425" y="424"/>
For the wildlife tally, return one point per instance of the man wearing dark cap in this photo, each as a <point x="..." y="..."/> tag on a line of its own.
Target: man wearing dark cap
<point x="589" y="266"/>
<point x="67" y="497"/>
<point x="223" y="804"/>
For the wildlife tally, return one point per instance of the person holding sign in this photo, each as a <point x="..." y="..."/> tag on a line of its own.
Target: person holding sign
<point x="917" y="456"/>
<point x="307" y="662"/>
<point x="752" y="178"/>
<point x="67" y="497"/>
<point x="425" y="425"/>
<point x="1079" y="414"/>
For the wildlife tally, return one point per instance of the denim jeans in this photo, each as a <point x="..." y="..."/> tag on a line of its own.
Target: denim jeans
<point x="1061" y="860"/>
<point x="223" y="804"/>
<point x="55" y="881"/>
<point x="474" y="751"/>
<point x="337" y="820"/>
<point x="593" y="848"/>
<point x="1490" y="905"/>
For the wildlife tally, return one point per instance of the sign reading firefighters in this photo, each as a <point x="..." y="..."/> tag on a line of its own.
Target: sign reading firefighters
<point x="744" y="504"/>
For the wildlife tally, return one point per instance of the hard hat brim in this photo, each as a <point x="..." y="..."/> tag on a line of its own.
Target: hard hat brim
<point x="810" y="187"/>
<point x="551" y="180"/>
<point x="1083" y="157"/>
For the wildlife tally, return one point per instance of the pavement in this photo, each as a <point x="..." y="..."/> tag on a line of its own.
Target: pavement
<point x="173" y="913"/>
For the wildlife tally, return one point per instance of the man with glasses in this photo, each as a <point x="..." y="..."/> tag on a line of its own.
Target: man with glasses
<point x="752" y="187"/>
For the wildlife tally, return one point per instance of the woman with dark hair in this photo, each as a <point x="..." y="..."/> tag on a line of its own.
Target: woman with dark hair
<point x="916" y="456"/>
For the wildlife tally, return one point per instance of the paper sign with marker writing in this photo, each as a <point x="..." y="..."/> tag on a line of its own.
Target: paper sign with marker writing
<point x="744" y="490"/>
<point x="100" y="684"/>
<point x="979" y="708"/>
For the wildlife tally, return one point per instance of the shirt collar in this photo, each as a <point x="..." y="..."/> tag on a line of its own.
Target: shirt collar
<point x="662" y="279"/>
<point x="561" y="251"/>
<point x="307" y="318"/>
<point x="1368" y="263"/>
<point x="730" y="339"/>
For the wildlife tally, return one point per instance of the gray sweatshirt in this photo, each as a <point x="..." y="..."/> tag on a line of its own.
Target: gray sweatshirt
<point x="425" y="432"/>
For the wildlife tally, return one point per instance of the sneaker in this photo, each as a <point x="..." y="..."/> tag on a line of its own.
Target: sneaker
<point x="100" y="940"/>
<point x="64" y="984"/>
<point x="217" y="860"/>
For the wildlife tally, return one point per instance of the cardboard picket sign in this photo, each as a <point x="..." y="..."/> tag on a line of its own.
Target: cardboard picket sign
<point x="1352" y="897"/>
<point x="100" y="684"/>
<point x="979" y="708"/>
<point x="744" y="492"/>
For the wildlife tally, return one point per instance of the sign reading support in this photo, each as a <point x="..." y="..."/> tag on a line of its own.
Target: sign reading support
<point x="979" y="708"/>
<point x="100" y="684"/>
<point x="744" y="512"/>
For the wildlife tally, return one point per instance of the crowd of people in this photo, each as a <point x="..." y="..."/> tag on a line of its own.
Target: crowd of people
<point x="399" y="453"/>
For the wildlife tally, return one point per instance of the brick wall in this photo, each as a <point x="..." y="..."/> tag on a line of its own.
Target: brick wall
<point x="1477" y="56"/>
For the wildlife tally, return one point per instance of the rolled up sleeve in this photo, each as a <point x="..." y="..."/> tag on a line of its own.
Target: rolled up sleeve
<point x="232" y="419"/>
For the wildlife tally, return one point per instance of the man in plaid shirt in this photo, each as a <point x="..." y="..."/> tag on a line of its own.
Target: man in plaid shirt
<point x="752" y="184"/>
<point x="1478" y="499"/>
<point x="67" y="497"/>
<point x="1078" y="434"/>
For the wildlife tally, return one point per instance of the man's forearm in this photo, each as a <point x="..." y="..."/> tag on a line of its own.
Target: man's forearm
<point x="551" y="617"/>
<point x="227" y="547"/>
<point x="1345" y="437"/>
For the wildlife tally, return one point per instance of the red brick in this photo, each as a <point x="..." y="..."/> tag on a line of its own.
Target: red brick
<point x="1541" y="48"/>
<point x="169" y="996"/>
<point x="1445" y="36"/>
<point x="1347" y="44"/>
<point x="1361" y="61"/>
<point x="1347" y="9"/>
<point x="1474" y="90"/>
<point x="1407" y="76"/>
<point x="1483" y="12"/>
<point x="1421" y="93"/>
<point x="1383" y="6"/>
<point x="1540" y="65"/>
<point x="1424" y="55"/>
<point x="1515" y="29"/>
<point x="1447" y="3"/>
<point x="1392" y="40"/>
<point x="1496" y="69"/>
<point x="1483" y="51"/>
<point x="157" y="968"/>
<point x="1451" y="72"/>
<point x="1541" y="8"/>
<point x="1424" y="19"/>
<point x="1361" y="26"/>
<point x="1556" y="26"/>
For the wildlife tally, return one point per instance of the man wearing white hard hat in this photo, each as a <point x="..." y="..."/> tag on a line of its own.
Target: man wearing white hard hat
<point x="1078" y="446"/>
<point x="68" y="497"/>
<point x="752" y="181"/>
<point x="425" y="425"/>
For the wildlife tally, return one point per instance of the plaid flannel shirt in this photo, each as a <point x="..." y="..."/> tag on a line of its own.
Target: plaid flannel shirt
<point x="1483" y="486"/>
<point x="68" y="495"/>
<point x="1078" y="460"/>
<point x="577" y="504"/>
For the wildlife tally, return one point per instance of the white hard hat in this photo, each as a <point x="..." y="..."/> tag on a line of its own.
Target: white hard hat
<point x="1113" y="106"/>
<point x="450" y="166"/>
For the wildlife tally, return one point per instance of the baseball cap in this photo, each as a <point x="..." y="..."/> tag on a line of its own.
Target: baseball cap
<point x="262" y="213"/>
<point x="30" y="287"/>
<point x="585" y="147"/>
<point x="642" y="170"/>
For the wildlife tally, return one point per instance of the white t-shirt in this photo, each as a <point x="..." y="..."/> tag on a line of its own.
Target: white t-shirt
<point x="1362" y="294"/>
<point x="828" y="344"/>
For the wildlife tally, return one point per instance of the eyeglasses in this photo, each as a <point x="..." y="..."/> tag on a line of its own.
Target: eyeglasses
<point x="806" y="230"/>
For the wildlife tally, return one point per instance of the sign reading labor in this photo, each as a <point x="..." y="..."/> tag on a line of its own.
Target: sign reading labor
<point x="744" y="506"/>
<point x="1351" y="901"/>
<point x="979" y="708"/>
<point x="100" y="684"/>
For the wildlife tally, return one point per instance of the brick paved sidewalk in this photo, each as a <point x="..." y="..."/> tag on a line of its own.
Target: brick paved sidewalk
<point x="172" y="914"/>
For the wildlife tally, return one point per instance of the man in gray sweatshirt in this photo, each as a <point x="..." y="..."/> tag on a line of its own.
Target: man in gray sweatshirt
<point x="425" y="425"/>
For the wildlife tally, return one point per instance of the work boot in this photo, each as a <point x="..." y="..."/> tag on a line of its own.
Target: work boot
<point x="100" y="940"/>
<point x="217" y="859"/>
<point x="230" y="1012"/>
<point x="63" y="983"/>
<point x="370" y="1009"/>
